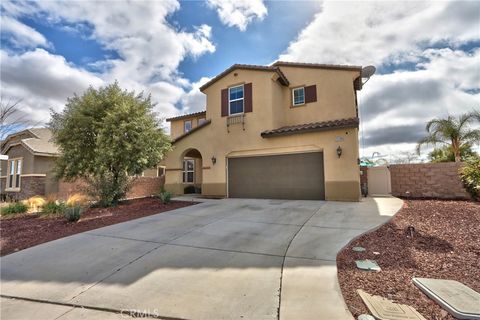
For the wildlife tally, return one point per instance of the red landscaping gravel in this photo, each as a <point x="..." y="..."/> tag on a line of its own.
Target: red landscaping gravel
<point x="18" y="233"/>
<point x="445" y="245"/>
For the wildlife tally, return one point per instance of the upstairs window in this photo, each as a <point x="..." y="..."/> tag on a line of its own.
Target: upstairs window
<point x="298" y="96"/>
<point x="235" y="95"/>
<point x="188" y="170"/>
<point x="187" y="125"/>
<point x="201" y="120"/>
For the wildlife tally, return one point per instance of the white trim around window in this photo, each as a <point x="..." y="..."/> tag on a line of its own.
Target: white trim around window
<point x="188" y="172"/>
<point x="14" y="174"/>
<point x="236" y="98"/>
<point x="187" y="125"/>
<point x="298" y="96"/>
<point x="161" y="171"/>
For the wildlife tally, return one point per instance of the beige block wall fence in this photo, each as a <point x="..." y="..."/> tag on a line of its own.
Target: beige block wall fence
<point x="33" y="186"/>
<point x="142" y="187"/>
<point x="426" y="180"/>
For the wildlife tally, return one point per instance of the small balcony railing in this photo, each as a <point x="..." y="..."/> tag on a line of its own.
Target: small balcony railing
<point x="236" y="119"/>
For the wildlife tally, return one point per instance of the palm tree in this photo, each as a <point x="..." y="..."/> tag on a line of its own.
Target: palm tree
<point x="452" y="131"/>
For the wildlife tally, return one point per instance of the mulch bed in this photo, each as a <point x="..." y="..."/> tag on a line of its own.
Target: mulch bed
<point x="21" y="232"/>
<point x="445" y="245"/>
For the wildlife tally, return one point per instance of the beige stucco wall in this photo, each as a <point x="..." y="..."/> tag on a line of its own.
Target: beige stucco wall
<point x="335" y="95"/>
<point x="342" y="178"/>
<point x="176" y="126"/>
<point x="271" y="109"/>
<point x="152" y="172"/>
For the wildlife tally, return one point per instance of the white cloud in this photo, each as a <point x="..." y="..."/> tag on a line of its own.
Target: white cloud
<point x="194" y="100"/>
<point x="42" y="81"/>
<point x="149" y="49"/>
<point x="21" y="35"/>
<point x="383" y="32"/>
<point x="239" y="13"/>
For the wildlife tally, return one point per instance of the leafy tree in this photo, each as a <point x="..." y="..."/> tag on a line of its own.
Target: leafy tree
<point x="106" y="136"/>
<point x="445" y="154"/>
<point x="455" y="132"/>
<point x="470" y="175"/>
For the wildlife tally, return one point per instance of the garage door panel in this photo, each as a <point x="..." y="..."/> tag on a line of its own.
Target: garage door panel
<point x="292" y="176"/>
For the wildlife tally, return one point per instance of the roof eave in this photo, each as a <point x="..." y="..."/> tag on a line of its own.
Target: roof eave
<point x="284" y="80"/>
<point x="317" y="65"/>
<point x="286" y="133"/>
<point x="184" y="116"/>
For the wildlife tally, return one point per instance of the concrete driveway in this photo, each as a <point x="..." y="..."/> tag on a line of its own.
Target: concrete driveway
<point x="221" y="259"/>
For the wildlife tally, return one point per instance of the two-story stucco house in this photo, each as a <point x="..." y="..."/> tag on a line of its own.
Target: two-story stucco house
<point x="285" y="131"/>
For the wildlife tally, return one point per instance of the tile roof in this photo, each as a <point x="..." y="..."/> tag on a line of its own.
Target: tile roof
<point x="317" y="65"/>
<point x="39" y="143"/>
<point x="206" y="123"/>
<point x="282" y="78"/>
<point x="188" y="115"/>
<point x="312" y="127"/>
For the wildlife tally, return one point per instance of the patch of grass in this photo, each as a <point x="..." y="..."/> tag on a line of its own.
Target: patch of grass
<point x="35" y="202"/>
<point x="77" y="199"/>
<point x="53" y="208"/>
<point x="14" y="208"/>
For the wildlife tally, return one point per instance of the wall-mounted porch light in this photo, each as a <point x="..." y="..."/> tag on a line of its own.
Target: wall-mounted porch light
<point x="214" y="160"/>
<point x="339" y="151"/>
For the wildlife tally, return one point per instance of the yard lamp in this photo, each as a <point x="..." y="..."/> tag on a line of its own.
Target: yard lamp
<point x="214" y="160"/>
<point x="339" y="151"/>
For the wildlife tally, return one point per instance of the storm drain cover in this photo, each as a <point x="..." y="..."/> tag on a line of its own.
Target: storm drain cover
<point x="384" y="309"/>
<point x="369" y="265"/>
<point x="455" y="297"/>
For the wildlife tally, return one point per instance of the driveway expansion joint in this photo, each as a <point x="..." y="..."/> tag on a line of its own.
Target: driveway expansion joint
<point x="285" y="258"/>
<point x="131" y="313"/>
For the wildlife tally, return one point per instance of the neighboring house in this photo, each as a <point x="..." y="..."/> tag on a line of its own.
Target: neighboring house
<point x="285" y="131"/>
<point x="29" y="170"/>
<point x="31" y="159"/>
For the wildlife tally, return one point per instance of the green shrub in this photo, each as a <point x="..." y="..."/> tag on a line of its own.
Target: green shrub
<point x="165" y="196"/>
<point x="470" y="175"/>
<point x="53" y="207"/>
<point x="14" y="208"/>
<point x="73" y="214"/>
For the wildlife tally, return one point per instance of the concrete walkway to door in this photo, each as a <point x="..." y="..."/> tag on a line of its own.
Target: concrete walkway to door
<point x="221" y="259"/>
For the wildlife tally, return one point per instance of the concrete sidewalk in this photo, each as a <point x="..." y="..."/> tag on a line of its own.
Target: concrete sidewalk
<point x="220" y="259"/>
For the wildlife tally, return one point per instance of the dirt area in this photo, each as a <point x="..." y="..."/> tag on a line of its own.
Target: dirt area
<point x="444" y="245"/>
<point x="21" y="232"/>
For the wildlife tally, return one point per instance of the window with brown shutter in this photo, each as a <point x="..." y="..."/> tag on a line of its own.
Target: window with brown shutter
<point x="224" y="102"/>
<point x="248" y="97"/>
<point x="311" y="94"/>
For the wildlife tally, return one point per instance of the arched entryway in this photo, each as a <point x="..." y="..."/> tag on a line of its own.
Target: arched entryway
<point x="191" y="164"/>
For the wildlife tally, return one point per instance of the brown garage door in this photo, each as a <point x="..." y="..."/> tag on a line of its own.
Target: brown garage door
<point x="289" y="176"/>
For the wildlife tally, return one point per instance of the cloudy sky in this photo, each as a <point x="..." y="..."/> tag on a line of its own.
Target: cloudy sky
<point x="427" y="54"/>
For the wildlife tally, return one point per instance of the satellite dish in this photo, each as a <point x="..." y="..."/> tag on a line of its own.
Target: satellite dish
<point x="367" y="72"/>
